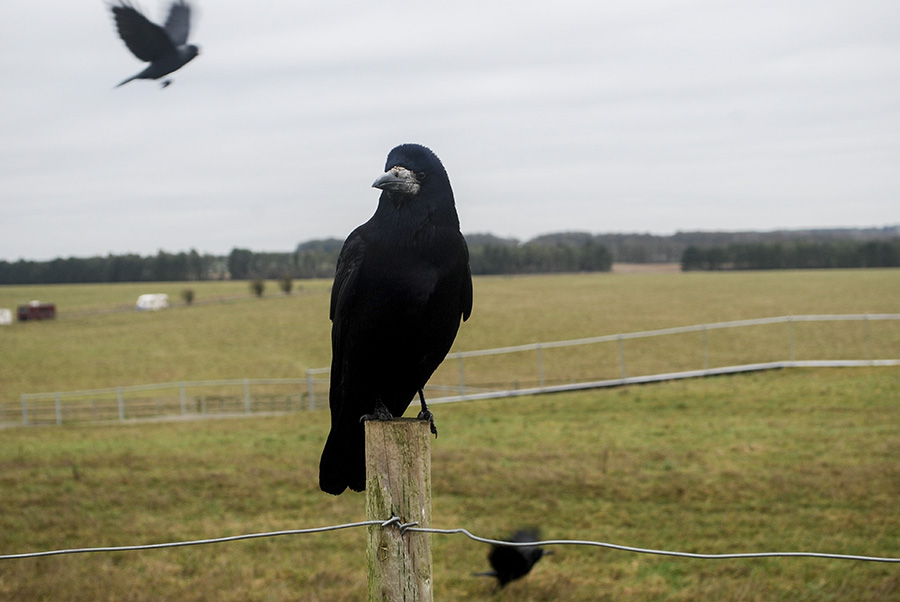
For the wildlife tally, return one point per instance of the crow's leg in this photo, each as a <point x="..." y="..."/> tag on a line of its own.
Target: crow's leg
<point x="426" y="414"/>
<point x="379" y="413"/>
<point x="166" y="83"/>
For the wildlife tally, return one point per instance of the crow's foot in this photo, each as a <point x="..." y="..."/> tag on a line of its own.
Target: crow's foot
<point x="379" y="413"/>
<point x="426" y="414"/>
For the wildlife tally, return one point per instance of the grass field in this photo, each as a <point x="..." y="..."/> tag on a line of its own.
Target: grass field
<point x="281" y="336"/>
<point x="799" y="460"/>
<point x="787" y="461"/>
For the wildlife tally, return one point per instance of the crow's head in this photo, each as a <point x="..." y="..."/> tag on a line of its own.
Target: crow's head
<point x="413" y="170"/>
<point x="415" y="190"/>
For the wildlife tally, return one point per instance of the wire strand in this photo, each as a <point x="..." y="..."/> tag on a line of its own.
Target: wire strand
<point x="412" y="527"/>
<point x="197" y="542"/>
<point x="612" y="546"/>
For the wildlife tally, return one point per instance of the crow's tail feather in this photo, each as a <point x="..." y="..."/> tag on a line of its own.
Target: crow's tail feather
<point x="343" y="463"/>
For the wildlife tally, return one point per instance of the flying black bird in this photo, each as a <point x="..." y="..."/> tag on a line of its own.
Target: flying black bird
<point x="165" y="48"/>
<point x="401" y="285"/>
<point x="514" y="562"/>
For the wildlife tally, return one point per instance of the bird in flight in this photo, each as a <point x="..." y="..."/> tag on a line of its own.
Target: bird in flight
<point x="401" y="286"/>
<point x="164" y="47"/>
<point x="514" y="562"/>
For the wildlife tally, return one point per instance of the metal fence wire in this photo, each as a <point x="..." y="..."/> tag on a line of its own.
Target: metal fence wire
<point x="397" y="523"/>
<point x="593" y="362"/>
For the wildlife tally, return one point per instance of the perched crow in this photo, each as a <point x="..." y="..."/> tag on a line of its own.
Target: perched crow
<point x="165" y="48"/>
<point x="514" y="562"/>
<point x="401" y="285"/>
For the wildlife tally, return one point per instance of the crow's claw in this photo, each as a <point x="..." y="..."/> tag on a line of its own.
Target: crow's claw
<point x="379" y="413"/>
<point x="427" y="415"/>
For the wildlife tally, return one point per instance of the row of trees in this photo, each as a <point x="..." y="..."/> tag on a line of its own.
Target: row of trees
<point x="796" y="255"/>
<point x="313" y="259"/>
<point x="115" y="268"/>
<point x="561" y="252"/>
<point x="546" y="257"/>
<point x="488" y="255"/>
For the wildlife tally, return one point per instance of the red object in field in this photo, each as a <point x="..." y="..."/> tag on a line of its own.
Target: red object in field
<point x="36" y="311"/>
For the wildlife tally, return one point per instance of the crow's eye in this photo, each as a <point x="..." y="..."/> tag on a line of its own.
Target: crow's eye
<point x="420" y="175"/>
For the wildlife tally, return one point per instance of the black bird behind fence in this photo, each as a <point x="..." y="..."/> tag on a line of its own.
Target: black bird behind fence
<point x="509" y="563"/>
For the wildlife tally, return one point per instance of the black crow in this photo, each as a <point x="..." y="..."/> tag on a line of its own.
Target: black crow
<point x="165" y="48"/>
<point x="514" y="562"/>
<point x="401" y="285"/>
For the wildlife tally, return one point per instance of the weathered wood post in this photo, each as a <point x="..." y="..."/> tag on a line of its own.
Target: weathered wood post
<point x="398" y="483"/>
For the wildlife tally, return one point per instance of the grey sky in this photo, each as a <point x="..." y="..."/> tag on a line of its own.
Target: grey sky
<point x="640" y="116"/>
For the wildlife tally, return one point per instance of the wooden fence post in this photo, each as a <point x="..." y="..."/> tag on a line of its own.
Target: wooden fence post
<point x="398" y="483"/>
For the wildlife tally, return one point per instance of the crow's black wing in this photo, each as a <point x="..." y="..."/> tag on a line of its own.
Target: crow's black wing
<point x="178" y="23"/>
<point x="343" y="292"/>
<point x="145" y="39"/>
<point x="342" y="462"/>
<point x="345" y="273"/>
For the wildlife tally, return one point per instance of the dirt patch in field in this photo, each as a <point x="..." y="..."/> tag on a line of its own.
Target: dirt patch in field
<point x="645" y="268"/>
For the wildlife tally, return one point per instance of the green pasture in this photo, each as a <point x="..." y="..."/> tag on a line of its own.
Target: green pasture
<point x="798" y="460"/>
<point x="792" y="460"/>
<point x="99" y="341"/>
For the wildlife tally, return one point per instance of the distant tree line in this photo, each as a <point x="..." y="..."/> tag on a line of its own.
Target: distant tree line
<point x="489" y="254"/>
<point x="794" y="255"/>
<point x="115" y="268"/>
<point x="312" y="259"/>
<point x="655" y="248"/>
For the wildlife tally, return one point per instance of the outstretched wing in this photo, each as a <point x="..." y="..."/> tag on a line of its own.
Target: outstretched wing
<point x="178" y="24"/>
<point x="145" y="39"/>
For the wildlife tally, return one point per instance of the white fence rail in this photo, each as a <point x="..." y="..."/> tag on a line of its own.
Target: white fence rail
<point x="162" y="400"/>
<point x="604" y="361"/>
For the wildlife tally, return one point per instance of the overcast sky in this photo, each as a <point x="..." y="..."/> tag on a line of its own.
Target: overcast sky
<point x="639" y="116"/>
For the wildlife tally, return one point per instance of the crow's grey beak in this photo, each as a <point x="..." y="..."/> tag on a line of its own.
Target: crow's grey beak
<point x="398" y="179"/>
